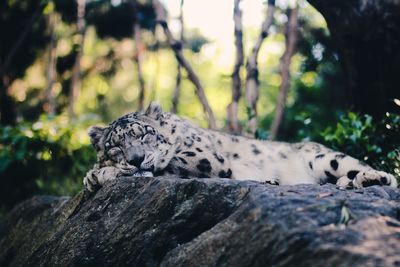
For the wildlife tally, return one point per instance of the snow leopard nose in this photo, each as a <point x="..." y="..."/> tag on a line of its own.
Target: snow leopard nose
<point x="136" y="160"/>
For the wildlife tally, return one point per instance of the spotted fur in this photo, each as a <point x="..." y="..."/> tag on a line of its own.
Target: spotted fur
<point x="157" y="143"/>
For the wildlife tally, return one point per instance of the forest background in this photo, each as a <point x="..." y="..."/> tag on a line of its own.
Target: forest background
<point x="273" y="70"/>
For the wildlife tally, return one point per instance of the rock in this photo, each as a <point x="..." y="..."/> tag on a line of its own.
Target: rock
<point x="205" y="222"/>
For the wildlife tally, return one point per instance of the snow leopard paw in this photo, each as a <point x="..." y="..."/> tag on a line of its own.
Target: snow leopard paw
<point x="96" y="177"/>
<point x="367" y="178"/>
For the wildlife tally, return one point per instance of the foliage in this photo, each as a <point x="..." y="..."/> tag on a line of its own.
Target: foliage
<point x="100" y="13"/>
<point x="319" y="95"/>
<point x="25" y="36"/>
<point x="49" y="156"/>
<point x="194" y="40"/>
<point x="376" y="143"/>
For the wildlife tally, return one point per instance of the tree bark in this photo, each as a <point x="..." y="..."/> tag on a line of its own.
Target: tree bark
<point x="252" y="83"/>
<point x="139" y="48"/>
<point x="76" y="71"/>
<point x="232" y="114"/>
<point x="291" y="38"/>
<point x="177" y="91"/>
<point x="176" y="46"/>
<point x="50" y="105"/>
<point x="366" y="34"/>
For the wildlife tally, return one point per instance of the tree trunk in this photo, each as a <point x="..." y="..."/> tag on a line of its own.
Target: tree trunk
<point x="177" y="91"/>
<point x="139" y="48"/>
<point x="76" y="71"/>
<point x="176" y="46"/>
<point x="252" y="82"/>
<point x="233" y="121"/>
<point x="291" y="38"/>
<point x="366" y="34"/>
<point x="50" y="105"/>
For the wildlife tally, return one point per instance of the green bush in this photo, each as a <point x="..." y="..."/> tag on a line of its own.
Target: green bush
<point x="376" y="143"/>
<point x="50" y="156"/>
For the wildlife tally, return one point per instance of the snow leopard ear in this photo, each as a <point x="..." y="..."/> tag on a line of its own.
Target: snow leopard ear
<point x="154" y="110"/>
<point x="95" y="134"/>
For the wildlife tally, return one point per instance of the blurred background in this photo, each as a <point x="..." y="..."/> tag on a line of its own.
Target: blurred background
<point x="288" y="70"/>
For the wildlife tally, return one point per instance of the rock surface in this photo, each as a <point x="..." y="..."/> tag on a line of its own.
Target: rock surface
<point x="205" y="222"/>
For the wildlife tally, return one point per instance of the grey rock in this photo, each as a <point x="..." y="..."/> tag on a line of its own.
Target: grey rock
<point x="205" y="222"/>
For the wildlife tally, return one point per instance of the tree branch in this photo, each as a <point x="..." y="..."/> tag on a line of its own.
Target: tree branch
<point x="252" y="83"/>
<point x="291" y="38"/>
<point x="137" y="37"/>
<point x="76" y="71"/>
<point x="177" y="48"/>
<point x="233" y="121"/>
<point x="175" y="97"/>
<point x="50" y="105"/>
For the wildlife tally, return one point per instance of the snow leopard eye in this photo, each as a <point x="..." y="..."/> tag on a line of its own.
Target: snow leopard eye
<point x="131" y="133"/>
<point x="114" y="151"/>
<point x="148" y="138"/>
<point x="149" y="130"/>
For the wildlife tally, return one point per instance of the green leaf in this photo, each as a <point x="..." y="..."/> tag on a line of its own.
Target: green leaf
<point x="344" y="215"/>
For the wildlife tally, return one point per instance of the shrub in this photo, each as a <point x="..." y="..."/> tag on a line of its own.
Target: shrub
<point x="50" y="156"/>
<point x="378" y="143"/>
